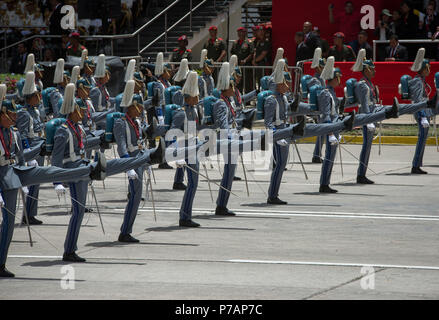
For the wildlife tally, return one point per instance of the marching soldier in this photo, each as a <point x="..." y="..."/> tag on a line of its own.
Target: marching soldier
<point x="99" y="95"/>
<point x="31" y="127"/>
<point x="419" y="91"/>
<point x="129" y="135"/>
<point x="19" y="176"/>
<point x="243" y="49"/>
<point x="69" y="148"/>
<point x="206" y="83"/>
<point x="181" y="120"/>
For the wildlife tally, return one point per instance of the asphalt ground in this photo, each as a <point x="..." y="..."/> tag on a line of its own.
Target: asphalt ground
<point x="377" y="241"/>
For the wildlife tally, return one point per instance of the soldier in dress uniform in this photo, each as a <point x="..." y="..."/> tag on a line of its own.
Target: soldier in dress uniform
<point x="69" y="148"/>
<point x="30" y="124"/>
<point x="19" y="176"/>
<point x="340" y="51"/>
<point x="99" y="95"/>
<point x="75" y="48"/>
<point x="419" y="92"/>
<point x="216" y="47"/>
<point x="182" y="52"/>
<point x="88" y="66"/>
<point x="36" y="68"/>
<point x="206" y="83"/>
<point x="243" y="49"/>
<point x="261" y="53"/>
<point x="129" y="135"/>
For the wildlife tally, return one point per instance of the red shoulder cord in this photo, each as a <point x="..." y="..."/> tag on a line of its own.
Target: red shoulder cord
<point x="2" y="139"/>
<point x="229" y="105"/>
<point x="77" y="133"/>
<point x="136" y="129"/>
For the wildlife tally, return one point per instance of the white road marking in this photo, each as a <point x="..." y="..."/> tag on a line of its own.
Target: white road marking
<point x="302" y="213"/>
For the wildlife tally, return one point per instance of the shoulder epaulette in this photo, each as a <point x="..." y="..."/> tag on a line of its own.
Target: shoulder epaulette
<point x="64" y="126"/>
<point x="14" y="129"/>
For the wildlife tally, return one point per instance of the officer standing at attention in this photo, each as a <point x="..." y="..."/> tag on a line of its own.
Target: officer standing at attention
<point x="243" y="49"/>
<point x="262" y="49"/>
<point x="182" y="52"/>
<point x="129" y="135"/>
<point x="206" y="84"/>
<point x="340" y="51"/>
<point x="216" y="47"/>
<point x="31" y="127"/>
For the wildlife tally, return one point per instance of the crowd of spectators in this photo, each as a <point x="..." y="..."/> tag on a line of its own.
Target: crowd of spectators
<point x="412" y="20"/>
<point x="26" y="18"/>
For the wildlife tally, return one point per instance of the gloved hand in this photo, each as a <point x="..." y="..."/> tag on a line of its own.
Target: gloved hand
<point x="333" y="140"/>
<point x="370" y="127"/>
<point x="60" y="190"/>
<point x="282" y="142"/>
<point x="2" y="202"/>
<point x="32" y="163"/>
<point x="180" y="163"/>
<point x="424" y="122"/>
<point x="25" y="190"/>
<point x="132" y="174"/>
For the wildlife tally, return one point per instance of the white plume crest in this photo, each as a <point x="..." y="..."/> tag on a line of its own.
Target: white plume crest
<point x="75" y="75"/>
<point x="224" y="77"/>
<point x="278" y="74"/>
<point x="203" y="57"/>
<point x="68" y="103"/>
<point x="233" y="63"/>
<point x="29" y="84"/>
<point x="417" y="64"/>
<point x="190" y="87"/>
<point x="328" y="70"/>
<point x="279" y="55"/>
<point x="316" y="58"/>
<point x="59" y="71"/>
<point x="3" y="90"/>
<point x="358" y="66"/>
<point x="158" y="71"/>
<point x="30" y="63"/>
<point x="129" y="73"/>
<point x="183" y="71"/>
<point x="84" y="55"/>
<point x="128" y="94"/>
<point x="100" y="66"/>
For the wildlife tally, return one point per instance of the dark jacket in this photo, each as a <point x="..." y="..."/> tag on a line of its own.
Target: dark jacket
<point x="401" y="53"/>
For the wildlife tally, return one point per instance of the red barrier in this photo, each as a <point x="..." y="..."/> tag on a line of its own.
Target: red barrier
<point x="388" y="75"/>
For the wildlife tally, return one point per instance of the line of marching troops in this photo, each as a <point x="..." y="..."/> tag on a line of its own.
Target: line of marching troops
<point x="66" y="123"/>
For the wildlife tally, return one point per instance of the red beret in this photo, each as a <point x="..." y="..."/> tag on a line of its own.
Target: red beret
<point x="241" y="29"/>
<point x="339" y="35"/>
<point x="74" y="34"/>
<point x="182" y="38"/>
<point x="213" y="28"/>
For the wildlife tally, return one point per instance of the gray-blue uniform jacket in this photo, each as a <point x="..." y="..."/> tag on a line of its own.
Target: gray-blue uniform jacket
<point x="275" y="111"/>
<point x="30" y="125"/>
<point x="418" y="93"/>
<point x="126" y="139"/>
<point x="9" y="180"/>
<point x="55" y="97"/>
<point x="205" y="85"/>
<point x="101" y="98"/>
<point x="366" y="94"/>
<point x="241" y="100"/>
<point x="222" y="115"/>
<point x="328" y="104"/>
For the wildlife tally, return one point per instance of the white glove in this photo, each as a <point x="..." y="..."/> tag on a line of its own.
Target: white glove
<point x="32" y="163"/>
<point x="370" y="127"/>
<point x="180" y="163"/>
<point x="25" y="190"/>
<point x="424" y="122"/>
<point x="333" y="140"/>
<point x="282" y="142"/>
<point x="132" y="174"/>
<point x="60" y="190"/>
<point x="2" y="202"/>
